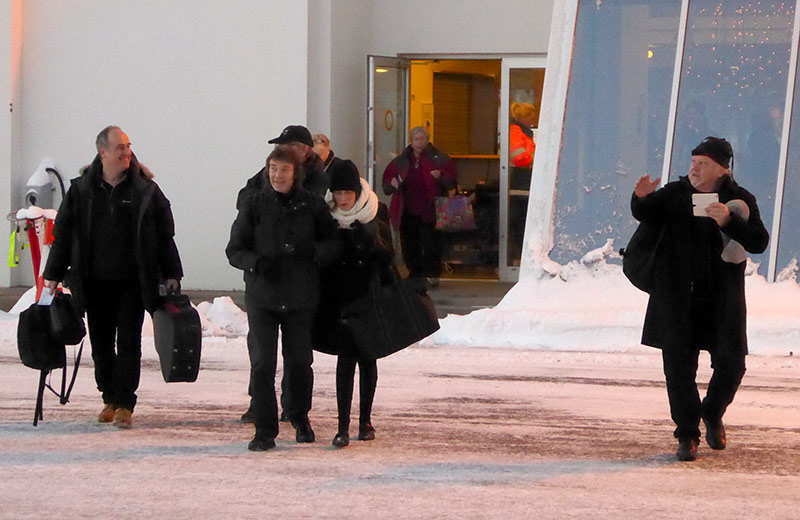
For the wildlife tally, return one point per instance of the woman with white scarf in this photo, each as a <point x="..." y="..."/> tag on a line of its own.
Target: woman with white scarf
<point x="367" y="254"/>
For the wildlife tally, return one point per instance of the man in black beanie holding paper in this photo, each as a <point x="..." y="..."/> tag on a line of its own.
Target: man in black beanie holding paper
<point x="707" y="223"/>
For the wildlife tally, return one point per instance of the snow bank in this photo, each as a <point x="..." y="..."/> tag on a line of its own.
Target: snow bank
<point x="584" y="308"/>
<point x="222" y="318"/>
<point x="595" y="308"/>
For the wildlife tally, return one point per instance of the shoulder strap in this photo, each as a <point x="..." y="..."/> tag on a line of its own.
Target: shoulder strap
<point x="63" y="396"/>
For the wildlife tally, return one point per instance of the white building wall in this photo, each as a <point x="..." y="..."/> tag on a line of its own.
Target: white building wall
<point x="5" y="133"/>
<point x="10" y="54"/>
<point x="461" y="26"/>
<point x="198" y="85"/>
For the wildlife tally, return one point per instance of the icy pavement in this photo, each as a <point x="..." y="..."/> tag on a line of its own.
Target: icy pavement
<point x="461" y="433"/>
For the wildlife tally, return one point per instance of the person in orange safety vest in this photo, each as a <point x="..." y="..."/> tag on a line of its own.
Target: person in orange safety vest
<point x="521" y="146"/>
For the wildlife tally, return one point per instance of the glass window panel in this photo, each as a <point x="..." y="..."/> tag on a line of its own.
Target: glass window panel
<point x="733" y="85"/>
<point x="615" y="121"/>
<point x="789" y="237"/>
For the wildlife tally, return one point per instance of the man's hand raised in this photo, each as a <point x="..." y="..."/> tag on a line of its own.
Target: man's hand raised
<point x="644" y="186"/>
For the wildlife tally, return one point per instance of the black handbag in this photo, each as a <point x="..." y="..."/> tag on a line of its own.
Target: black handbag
<point x="37" y="347"/>
<point x="389" y="318"/>
<point x="638" y="259"/>
<point x="66" y="325"/>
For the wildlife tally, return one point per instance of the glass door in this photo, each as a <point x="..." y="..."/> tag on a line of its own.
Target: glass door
<point x="521" y="83"/>
<point x="387" y="115"/>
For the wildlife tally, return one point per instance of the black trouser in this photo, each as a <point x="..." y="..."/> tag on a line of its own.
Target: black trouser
<point x="368" y="380"/>
<point x="115" y="313"/>
<point x="422" y="247"/>
<point x="284" y="392"/>
<point x="262" y="342"/>
<point x="680" y="368"/>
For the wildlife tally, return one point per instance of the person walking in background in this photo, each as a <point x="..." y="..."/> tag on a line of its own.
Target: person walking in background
<point x="281" y="236"/>
<point x="521" y="148"/>
<point x="697" y="299"/>
<point x="114" y="231"/>
<point x="366" y="258"/>
<point x="414" y="179"/>
<point x="322" y="147"/>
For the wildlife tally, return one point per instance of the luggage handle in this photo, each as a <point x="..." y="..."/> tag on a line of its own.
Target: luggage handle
<point x="162" y="291"/>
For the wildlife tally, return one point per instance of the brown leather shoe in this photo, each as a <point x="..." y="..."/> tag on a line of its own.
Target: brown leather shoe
<point x="122" y="418"/>
<point x="107" y="415"/>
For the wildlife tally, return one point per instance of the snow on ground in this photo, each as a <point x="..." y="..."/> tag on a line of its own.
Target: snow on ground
<point x="544" y="407"/>
<point x="597" y="309"/>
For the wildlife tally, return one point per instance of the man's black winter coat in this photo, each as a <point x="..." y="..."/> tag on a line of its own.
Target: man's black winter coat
<point x="154" y="247"/>
<point x="690" y="252"/>
<point x="280" y="242"/>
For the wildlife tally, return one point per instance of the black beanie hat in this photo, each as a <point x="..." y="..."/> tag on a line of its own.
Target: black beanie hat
<point x="717" y="148"/>
<point x="344" y="176"/>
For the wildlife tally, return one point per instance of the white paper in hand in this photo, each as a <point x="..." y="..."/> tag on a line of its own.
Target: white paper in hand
<point x="46" y="298"/>
<point x="700" y="201"/>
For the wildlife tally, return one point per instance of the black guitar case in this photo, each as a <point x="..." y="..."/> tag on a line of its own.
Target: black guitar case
<point x="178" y="335"/>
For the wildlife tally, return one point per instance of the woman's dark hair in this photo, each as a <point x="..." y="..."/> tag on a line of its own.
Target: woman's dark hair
<point x="286" y="153"/>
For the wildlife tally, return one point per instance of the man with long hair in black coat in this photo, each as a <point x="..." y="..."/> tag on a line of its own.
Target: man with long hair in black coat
<point x="281" y="237"/>
<point x="697" y="296"/>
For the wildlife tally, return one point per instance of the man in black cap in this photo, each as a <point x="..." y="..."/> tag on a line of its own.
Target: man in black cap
<point x="697" y="297"/>
<point x="314" y="180"/>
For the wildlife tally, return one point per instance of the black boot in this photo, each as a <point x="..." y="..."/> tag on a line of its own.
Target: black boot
<point x="341" y="440"/>
<point x="687" y="449"/>
<point x="303" y="433"/>
<point x="261" y="442"/>
<point x="715" y="434"/>
<point x="366" y="432"/>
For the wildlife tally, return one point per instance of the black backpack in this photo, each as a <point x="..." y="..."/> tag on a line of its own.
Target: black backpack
<point x="41" y="350"/>
<point x="638" y="259"/>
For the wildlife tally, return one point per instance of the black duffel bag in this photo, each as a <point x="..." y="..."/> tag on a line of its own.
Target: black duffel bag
<point x="389" y="318"/>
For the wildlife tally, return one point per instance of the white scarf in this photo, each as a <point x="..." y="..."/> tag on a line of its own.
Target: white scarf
<point x="364" y="210"/>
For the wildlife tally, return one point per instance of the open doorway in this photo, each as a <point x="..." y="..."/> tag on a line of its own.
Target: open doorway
<point x="464" y="104"/>
<point x="458" y="102"/>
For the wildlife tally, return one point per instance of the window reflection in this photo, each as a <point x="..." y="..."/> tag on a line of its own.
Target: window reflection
<point x="615" y="120"/>
<point x="733" y="85"/>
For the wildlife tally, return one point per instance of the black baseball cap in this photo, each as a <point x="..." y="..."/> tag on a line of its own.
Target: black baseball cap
<point x="292" y="134"/>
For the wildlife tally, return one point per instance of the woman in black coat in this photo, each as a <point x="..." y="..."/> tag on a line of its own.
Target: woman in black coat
<point x="366" y="257"/>
<point x="280" y="238"/>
